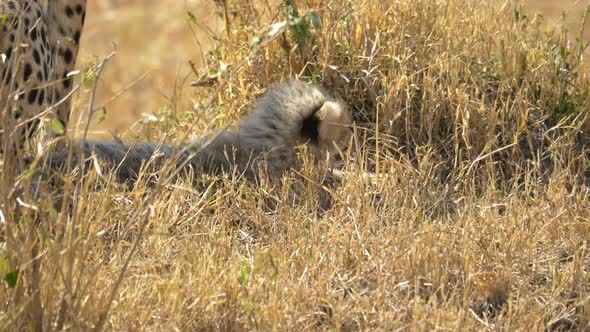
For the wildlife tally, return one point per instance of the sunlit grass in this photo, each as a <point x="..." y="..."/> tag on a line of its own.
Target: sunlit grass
<point x="462" y="203"/>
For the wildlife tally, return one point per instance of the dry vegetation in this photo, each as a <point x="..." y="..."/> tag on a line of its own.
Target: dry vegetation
<point x="153" y="44"/>
<point x="552" y="12"/>
<point x="463" y="204"/>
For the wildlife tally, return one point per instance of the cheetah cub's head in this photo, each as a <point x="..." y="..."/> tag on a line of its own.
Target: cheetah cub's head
<point x="328" y="128"/>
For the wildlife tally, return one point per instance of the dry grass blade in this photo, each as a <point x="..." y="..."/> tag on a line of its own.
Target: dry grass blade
<point x="462" y="200"/>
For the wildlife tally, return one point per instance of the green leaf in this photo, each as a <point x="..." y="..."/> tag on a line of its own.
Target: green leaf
<point x="315" y="19"/>
<point x="164" y="111"/>
<point x="103" y="115"/>
<point x="246" y="305"/>
<point x="191" y="17"/>
<point x="11" y="278"/>
<point x="255" y="42"/>
<point x="89" y="79"/>
<point x="57" y="127"/>
<point x="215" y="53"/>
<point x="244" y="276"/>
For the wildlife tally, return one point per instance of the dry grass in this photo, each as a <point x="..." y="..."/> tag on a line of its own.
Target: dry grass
<point x="552" y="12"/>
<point x="472" y="124"/>
<point x="153" y="44"/>
<point x="155" y="40"/>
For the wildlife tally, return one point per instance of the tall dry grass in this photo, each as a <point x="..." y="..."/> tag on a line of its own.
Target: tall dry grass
<point x="153" y="42"/>
<point x="462" y="205"/>
<point x="552" y="12"/>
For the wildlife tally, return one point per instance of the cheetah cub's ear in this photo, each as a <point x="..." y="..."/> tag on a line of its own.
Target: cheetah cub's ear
<point x="334" y="125"/>
<point x="328" y="129"/>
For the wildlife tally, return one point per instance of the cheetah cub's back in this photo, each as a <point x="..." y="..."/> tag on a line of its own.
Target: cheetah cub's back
<point x="286" y="116"/>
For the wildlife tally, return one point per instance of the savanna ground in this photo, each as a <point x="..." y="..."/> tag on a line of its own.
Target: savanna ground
<point x="463" y="203"/>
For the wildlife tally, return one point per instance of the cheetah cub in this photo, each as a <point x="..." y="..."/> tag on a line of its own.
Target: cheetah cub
<point x="288" y="115"/>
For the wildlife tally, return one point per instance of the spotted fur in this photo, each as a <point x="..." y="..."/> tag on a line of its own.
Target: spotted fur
<point x="39" y="43"/>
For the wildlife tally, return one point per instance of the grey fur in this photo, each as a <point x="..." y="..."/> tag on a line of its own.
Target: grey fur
<point x="270" y="133"/>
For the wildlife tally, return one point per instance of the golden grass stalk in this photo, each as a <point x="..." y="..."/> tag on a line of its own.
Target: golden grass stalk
<point x="462" y="203"/>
